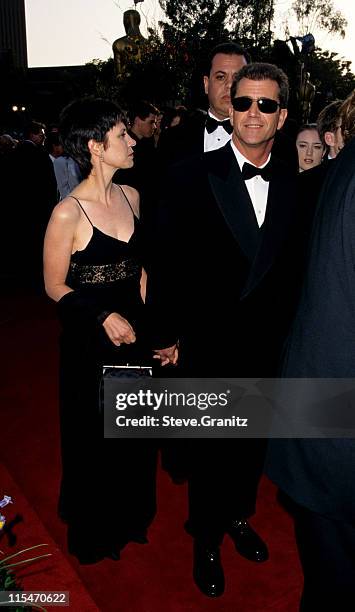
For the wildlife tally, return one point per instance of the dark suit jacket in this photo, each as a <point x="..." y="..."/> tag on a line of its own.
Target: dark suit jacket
<point x="218" y="282"/>
<point x="319" y="474"/>
<point x="33" y="196"/>
<point x="309" y="188"/>
<point x="182" y="141"/>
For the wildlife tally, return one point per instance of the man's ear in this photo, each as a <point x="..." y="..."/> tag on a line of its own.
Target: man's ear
<point x="205" y="83"/>
<point x="282" y="118"/>
<point x="329" y="138"/>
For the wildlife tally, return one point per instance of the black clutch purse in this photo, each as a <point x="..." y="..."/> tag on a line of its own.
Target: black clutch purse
<point x="112" y="374"/>
<point x="126" y="371"/>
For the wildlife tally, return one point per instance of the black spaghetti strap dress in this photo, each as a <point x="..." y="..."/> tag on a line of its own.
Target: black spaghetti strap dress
<point x="108" y="485"/>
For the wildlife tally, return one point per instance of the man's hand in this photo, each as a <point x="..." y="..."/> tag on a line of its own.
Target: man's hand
<point x="118" y="329"/>
<point x="167" y="355"/>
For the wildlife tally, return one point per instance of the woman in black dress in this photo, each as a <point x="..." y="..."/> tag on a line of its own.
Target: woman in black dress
<point x="93" y="270"/>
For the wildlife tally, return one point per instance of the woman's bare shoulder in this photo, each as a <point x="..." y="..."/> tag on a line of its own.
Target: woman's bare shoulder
<point x="66" y="210"/>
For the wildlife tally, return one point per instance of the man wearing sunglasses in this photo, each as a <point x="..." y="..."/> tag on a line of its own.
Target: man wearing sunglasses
<point x="219" y="285"/>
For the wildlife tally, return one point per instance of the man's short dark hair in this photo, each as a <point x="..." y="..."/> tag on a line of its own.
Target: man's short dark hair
<point x="260" y="71"/>
<point x="328" y="118"/>
<point x="86" y="119"/>
<point x="227" y="48"/>
<point x="142" y="109"/>
<point x="34" y="127"/>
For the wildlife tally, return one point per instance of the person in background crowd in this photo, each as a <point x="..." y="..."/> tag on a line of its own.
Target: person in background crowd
<point x="67" y="174"/>
<point x="33" y="194"/>
<point x="311" y="182"/>
<point x="7" y="144"/>
<point x="329" y="128"/>
<point x="53" y="145"/>
<point x="143" y="175"/>
<point x="201" y="132"/>
<point x="309" y="146"/>
<point x="172" y="117"/>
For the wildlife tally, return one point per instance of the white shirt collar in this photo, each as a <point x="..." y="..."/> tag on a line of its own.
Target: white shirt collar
<point x="241" y="159"/>
<point x="216" y="118"/>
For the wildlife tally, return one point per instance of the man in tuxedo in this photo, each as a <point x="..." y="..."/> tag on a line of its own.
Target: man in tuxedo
<point x="205" y="132"/>
<point x="219" y="284"/>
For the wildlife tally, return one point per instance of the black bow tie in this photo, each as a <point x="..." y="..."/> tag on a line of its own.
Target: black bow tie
<point x="212" y="125"/>
<point x="249" y="171"/>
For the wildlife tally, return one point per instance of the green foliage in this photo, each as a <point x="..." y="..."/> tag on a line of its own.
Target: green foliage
<point x="248" y="21"/>
<point x="321" y="14"/>
<point x="8" y="580"/>
<point x="100" y="79"/>
<point x="332" y="77"/>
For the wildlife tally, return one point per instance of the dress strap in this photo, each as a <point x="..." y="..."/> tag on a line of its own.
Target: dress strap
<point x="71" y="196"/>
<point x="129" y="204"/>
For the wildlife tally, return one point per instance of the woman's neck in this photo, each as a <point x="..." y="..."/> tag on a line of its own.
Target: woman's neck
<point x="99" y="185"/>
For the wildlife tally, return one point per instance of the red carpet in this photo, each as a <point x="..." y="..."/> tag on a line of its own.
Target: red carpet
<point x="149" y="578"/>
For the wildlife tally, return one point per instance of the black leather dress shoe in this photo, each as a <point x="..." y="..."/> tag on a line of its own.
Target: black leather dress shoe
<point x="247" y="542"/>
<point x="208" y="571"/>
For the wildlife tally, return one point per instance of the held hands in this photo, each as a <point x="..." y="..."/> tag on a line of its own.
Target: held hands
<point x="167" y="355"/>
<point x="118" y="329"/>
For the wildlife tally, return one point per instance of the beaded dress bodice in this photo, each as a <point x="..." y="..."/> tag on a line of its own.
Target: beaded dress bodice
<point x="106" y="260"/>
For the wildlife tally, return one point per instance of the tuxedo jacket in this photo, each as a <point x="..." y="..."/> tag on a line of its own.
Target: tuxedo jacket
<point x="319" y="474"/>
<point x="218" y="282"/>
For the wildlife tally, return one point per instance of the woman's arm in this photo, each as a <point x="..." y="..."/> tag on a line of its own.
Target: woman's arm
<point x="143" y="284"/>
<point x="58" y="247"/>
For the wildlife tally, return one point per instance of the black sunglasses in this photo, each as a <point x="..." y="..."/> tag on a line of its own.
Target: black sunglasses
<point x="265" y="105"/>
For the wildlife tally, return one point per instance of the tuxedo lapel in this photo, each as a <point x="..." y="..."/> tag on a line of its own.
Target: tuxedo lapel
<point x="233" y="199"/>
<point x="275" y="229"/>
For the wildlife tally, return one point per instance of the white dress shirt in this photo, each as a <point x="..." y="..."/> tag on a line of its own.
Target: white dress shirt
<point x="216" y="139"/>
<point x="258" y="188"/>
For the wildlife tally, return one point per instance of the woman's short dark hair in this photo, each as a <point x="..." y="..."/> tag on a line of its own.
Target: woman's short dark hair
<point x="260" y="71"/>
<point x="86" y="119"/>
<point x="308" y="126"/>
